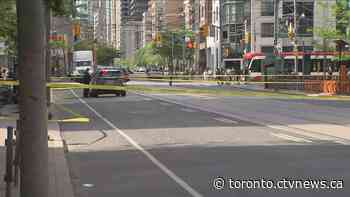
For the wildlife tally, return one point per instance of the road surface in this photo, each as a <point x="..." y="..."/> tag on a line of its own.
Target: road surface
<point x="177" y="145"/>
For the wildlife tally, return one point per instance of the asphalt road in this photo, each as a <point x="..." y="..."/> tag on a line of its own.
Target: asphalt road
<point x="147" y="145"/>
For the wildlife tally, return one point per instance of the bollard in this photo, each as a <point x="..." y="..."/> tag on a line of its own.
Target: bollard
<point x="9" y="160"/>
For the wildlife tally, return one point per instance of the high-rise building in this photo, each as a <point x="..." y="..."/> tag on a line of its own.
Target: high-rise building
<point x="99" y="13"/>
<point x="205" y="21"/>
<point x="82" y="15"/>
<point x="146" y="28"/>
<point x="131" y="37"/>
<point x="124" y="10"/>
<point x="166" y="15"/>
<point x="214" y="38"/>
<point x="137" y="8"/>
<point x="124" y="29"/>
<point x="116" y="22"/>
<point x="251" y="26"/>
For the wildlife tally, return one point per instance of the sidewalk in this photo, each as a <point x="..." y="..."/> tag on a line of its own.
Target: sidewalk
<point x="59" y="178"/>
<point x="261" y="88"/>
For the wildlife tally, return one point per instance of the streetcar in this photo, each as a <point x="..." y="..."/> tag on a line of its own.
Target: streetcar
<point x="319" y="62"/>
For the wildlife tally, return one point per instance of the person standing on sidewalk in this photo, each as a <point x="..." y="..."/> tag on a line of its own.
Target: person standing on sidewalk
<point x="86" y="80"/>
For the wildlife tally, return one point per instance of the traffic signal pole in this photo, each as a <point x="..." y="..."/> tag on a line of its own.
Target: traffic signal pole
<point x="295" y="37"/>
<point x="32" y="102"/>
<point x="276" y="28"/>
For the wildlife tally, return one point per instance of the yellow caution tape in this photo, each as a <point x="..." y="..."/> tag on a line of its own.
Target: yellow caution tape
<point x="74" y="120"/>
<point x="9" y="82"/>
<point x="73" y="85"/>
<point x="67" y="120"/>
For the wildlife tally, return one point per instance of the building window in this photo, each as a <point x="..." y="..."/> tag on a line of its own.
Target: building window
<point x="217" y="14"/>
<point x="217" y="34"/>
<point x="233" y="13"/>
<point x="224" y="35"/>
<point x="202" y="12"/>
<point x="266" y="30"/>
<point x="267" y="49"/>
<point x="267" y="8"/>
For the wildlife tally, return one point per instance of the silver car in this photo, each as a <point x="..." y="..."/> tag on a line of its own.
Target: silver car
<point x="108" y="76"/>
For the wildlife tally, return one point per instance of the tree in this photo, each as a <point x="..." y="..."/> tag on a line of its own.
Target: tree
<point x="148" y="55"/>
<point x="341" y="13"/>
<point x="105" y="55"/>
<point x="169" y="50"/>
<point x="32" y="101"/>
<point x="84" y="45"/>
<point x="8" y="25"/>
<point x="61" y="7"/>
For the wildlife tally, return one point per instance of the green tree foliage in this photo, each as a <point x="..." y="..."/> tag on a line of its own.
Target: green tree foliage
<point x="126" y="63"/>
<point x="105" y="55"/>
<point x="84" y="45"/>
<point x="169" y="48"/>
<point x="341" y="11"/>
<point x="148" y="55"/>
<point x="8" y="24"/>
<point x="8" y="19"/>
<point x="61" y="7"/>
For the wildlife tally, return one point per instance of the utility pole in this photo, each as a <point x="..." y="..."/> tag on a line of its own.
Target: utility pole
<point x="183" y="53"/>
<point x="295" y="37"/>
<point x="276" y="27"/>
<point x="172" y="60"/>
<point x="32" y="102"/>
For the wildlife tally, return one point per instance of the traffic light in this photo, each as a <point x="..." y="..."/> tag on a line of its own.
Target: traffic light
<point x="76" y="31"/>
<point x="226" y="52"/>
<point x="291" y="33"/>
<point x="203" y="30"/>
<point x="246" y="37"/>
<point x="189" y="44"/>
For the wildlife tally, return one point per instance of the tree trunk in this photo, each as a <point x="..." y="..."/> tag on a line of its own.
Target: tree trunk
<point x="32" y="102"/>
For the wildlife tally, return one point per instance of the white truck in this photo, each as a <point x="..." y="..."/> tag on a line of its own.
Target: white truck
<point x="82" y="60"/>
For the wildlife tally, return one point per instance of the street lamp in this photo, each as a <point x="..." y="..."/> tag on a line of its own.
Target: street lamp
<point x="293" y="37"/>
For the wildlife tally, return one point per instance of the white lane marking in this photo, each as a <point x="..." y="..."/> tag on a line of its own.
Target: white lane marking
<point x="165" y="104"/>
<point x="225" y="120"/>
<point x="88" y="185"/>
<point x="154" y="160"/>
<point x="187" y="110"/>
<point x="290" y="138"/>
<point x="341" y="142"/>
<point x="147" y="99"/>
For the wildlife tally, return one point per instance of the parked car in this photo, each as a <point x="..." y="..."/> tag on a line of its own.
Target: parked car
<point x="108" y="76"/>
<point x="141" y="69"/>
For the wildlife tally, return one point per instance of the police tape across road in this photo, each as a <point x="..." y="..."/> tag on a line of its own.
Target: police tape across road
<point x="76" y="85"/>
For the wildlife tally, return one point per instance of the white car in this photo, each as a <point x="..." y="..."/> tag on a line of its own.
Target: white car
<point x="141" y="69"/>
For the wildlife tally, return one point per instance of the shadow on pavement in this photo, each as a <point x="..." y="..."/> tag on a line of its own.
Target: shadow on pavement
<point x="130" y="173"/>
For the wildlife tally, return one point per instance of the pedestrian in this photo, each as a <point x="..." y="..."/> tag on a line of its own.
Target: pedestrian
<point x="330" y="72"/>
<point x="4" y="74"/>
<point x="86" y="80"/>
<point x="205" y="75"/>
